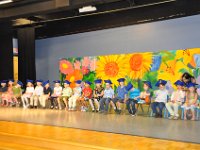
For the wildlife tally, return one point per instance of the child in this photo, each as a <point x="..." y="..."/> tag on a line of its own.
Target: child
<point x="47" y="91"/>
<point x="134" y="96"/>
<point x="145" y="96"/>
<point x="76" y="94"/>
<point x="97" y="95"/>
<point x="3" y="90"/>
<point x="57" y="92"/>
<point x="66" y="93"/>
<point x="36" y="95"/>
<point x="121" y="96"/>
<point x="161" y="98"/>
<point x="17" y="92"/>
<point x="86" y="96"/>
<point x="108" y="95"/>
<point x="7" y="96"/>
<point x="29" y="92"/>
<point x="177" y="99"/>
<point x="191" y="100"/>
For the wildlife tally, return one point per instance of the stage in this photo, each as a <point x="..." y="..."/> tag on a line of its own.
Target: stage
<point x="176" y="130"/>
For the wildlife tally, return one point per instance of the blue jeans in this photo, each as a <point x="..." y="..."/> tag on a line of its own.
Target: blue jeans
<point x="105" y="101"/>
<point x="159" y="105"/>
<point x="130" y="104"/>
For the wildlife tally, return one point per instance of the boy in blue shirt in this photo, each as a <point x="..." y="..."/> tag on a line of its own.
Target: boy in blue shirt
<point x="134" y="97"/>
<point x="108" y="95"/>
<point x="121" y="96"/>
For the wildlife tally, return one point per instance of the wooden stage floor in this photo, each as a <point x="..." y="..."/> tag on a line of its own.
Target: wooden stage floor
<point x="24" y="136"/>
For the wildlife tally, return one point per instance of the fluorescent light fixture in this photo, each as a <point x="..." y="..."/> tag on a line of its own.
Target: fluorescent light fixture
<point x="5" y="2"/>
<point x="87" y="9"/>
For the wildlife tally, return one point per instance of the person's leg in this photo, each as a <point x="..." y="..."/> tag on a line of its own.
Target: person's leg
<point x="102" y="101"/>
<point x="161" y="105"/>
<point x="65" y="99"/>
<point x="91" y="104"/>
<point x="52" y="102"/>
<point x="193" y="112"/>
<point x="74" y="102"/>
<point x="107" y="102"/>
<point x="23" y="101"/>
<point x="26" y="102"/>
<point x="36" y="101"/>
<point x="133" y="103"/>
<point x="41" y="100"/>
<point x="176" y="106"/>
<point x="59" y="102"/>
<point x="113" y="103"/>
<point x="70" y="102"/>
<point x="169" y="106"/>
<point x="119" y="105"/>
<point x="153" y="107"/>
<point x="31" y="101"/>
<point x="97" y="104"/>
<point x="128" y="102"/>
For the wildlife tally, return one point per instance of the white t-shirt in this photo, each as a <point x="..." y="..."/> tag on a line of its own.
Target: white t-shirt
<point x="178" y="96"/>
<point x="38" y="90"/>
<point x="161" y="95"/>
<point x="29" y="89"/>
<point x="57" y="91"/>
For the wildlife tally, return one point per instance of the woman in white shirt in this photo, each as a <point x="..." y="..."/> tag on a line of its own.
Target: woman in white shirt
<point x="36" y="95"/>
<point x="29" y="92"/>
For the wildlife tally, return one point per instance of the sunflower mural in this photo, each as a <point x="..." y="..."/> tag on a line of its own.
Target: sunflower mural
<point x="135" y="67"/>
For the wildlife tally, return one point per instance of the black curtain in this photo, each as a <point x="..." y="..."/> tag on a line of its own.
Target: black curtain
<point x="26" y="54"/>
<point x="6" y="51"/>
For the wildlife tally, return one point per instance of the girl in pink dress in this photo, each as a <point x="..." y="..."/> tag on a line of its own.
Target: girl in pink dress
<point x="7" y="97"/>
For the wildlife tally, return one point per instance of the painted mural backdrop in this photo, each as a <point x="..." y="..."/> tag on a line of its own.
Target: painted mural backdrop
<point x="135" y="67"/>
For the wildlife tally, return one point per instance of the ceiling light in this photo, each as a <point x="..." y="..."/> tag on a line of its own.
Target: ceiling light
<point x="87" y="9"/>
<point x="5" y="2"/>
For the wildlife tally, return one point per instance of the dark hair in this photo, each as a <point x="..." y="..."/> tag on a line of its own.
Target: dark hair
<point x="187" y="75"/>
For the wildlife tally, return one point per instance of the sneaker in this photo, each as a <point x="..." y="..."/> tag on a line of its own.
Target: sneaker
<point x="51" y="107"/>
<point x="171" y="117"/>
<point x="175" y="118"/>
<point x="119" y="111"/>
<point x="133" y="115"/>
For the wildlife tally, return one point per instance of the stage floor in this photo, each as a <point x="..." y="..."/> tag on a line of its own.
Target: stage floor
<point x="177" y="130"/>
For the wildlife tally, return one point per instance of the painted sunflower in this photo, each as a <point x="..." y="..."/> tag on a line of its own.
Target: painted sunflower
<point x="139" y="64"/>
<point x="111" y="67"/>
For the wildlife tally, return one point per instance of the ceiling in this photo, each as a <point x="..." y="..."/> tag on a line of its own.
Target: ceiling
<point x="61" y="17"/>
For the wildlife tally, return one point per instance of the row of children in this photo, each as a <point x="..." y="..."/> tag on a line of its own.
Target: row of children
<point x="101" y="98"/>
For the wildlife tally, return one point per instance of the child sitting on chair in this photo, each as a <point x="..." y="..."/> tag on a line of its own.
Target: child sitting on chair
<point x="38" y="92"/>
<point x="134" y="97"/>
<point x="76" y="95"/>
<point x="145" y="96"/>
<point x="121" y="96"/>
<point x="108" y="95"/>
<point x="17" y="92"/>
<point x="57" y="92"/>
<point x="177" y="99"/>
<point x="86" y="96"/>
<point x="66" y="94"/>
<point x="47" y="91"/>
<point x="8" y="95"/>
<point x="161" y="97"/>
<point x="191" y="100"/>
<point x="3" y="90"/>
<point x="97" y="95"/>
<point x="28" y="93"/>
